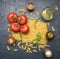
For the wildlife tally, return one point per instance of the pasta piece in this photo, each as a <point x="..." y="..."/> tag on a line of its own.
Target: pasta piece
<point x="35" y="51"/>
<point x="8" y="48"/>
<point x="15" y="50"/>
<point x="53" y="29"/>
<point x="19" y="44"/>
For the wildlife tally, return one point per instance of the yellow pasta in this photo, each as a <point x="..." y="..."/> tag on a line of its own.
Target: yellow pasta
<point x="40" y="27"/>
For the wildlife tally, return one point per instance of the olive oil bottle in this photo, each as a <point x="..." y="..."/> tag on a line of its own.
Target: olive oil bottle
<point x="48" y="13"/>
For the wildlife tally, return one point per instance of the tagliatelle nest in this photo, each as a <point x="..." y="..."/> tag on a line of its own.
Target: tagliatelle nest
<point x="26" y="38"/>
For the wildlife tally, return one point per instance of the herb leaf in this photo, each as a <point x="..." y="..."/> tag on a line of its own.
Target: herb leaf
<point x="20" y="35"/>
<point x="35" y="23"/>
<point x="37" y="39"/>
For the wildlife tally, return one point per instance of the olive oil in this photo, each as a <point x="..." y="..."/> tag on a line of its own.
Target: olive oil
<point x="48" y="13"/>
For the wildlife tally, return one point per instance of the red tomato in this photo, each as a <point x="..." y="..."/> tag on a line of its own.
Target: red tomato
<point x="24" y="29"/>
<point x="12" y="17"/>
<point x="15" y="27"/>
<point x="22" y="19"/>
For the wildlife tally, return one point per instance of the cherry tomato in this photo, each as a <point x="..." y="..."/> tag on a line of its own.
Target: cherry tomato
<point x="15" y="27"/>
<point x="24" y="29"/>
<point x="12" y="17"/>
<point x="22" y="19"/>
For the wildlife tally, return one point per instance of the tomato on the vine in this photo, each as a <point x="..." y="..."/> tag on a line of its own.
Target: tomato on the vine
<point x="22" y="19"/>
<point x="24" y="29"/>
<point x="12" y="17"/>
<point x="15" y="27"/>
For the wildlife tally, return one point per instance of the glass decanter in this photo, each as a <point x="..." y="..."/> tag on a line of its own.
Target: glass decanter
<point x="48" y="13"/>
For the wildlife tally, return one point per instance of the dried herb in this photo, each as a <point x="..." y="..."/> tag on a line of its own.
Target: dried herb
<point x="20" y="36"/>
<point x="35" y="23"/>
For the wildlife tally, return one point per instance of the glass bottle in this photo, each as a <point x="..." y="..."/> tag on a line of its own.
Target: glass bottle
<point x="48" y="13"/>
